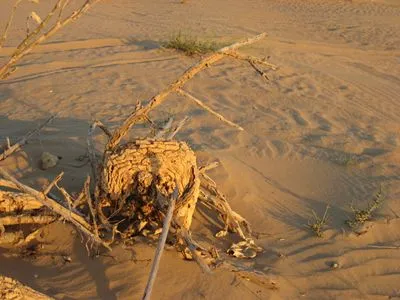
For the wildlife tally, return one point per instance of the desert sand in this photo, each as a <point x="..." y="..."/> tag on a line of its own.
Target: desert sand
<point x="324" y="130"/>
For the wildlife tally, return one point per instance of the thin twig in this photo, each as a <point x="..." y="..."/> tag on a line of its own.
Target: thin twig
<point x="90" y="146"/>
<point x="23" y="141"/>
<point x="160" y="247"/>
<point x="383" y="247"/>
<point x="4" y="36"/>
<point x="53" y="183"/>
<point x="193" y="250"/>
<point x="258" y="70"/>
<point x="208" y="167"/>
<point x="201" y="104"/>
<point x="161" y="134"/>
<point x="250" y="58"/>
<point x="177" y="128"/>
<point x="89" y="202"/>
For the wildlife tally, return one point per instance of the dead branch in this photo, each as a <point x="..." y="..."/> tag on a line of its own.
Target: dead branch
<point x="177" y="128"/>
<point x="53" y="183"/>
<point x="121" y="131"/>
<point x="72" y="217"/>
<point x="7" y="184"/>
<point x="160" y="246"/>
<point x="27" y="219"/>
<point x="251" y="59"/>
<point x="89" y="202"/>
<point x="249" y="274"/>
<point x="37" y="36"/>
<point x="23" y="141"/>
<point x="193" y="248"/>
<point x="16" y="201"/>
<point x="13" y="289"/>
<point x="201" y="104"/>
<point x="258" y="70"/>
<point x="217" y="200"/>
<point x="208" y="167"/>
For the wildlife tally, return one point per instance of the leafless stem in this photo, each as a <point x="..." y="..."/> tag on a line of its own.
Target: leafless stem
<point x="53" y="183"/>
<point x="178" y="128"/>
<point x="4" y="36"/>
<point x="207" y="108"/>
<point x="160" y="247"/>
<point x="23" y="141"/>
<point x="89" y="202"/>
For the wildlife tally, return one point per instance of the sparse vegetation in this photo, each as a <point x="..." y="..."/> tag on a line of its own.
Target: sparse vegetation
<point x="317" y="224"/>
<point x="363" y="215"/>
<point x="190" y="45"/>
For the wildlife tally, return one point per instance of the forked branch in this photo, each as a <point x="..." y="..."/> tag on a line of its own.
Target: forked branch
<point x="121" y="131"/>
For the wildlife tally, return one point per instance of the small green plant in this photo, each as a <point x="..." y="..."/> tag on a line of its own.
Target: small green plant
<point x="363" y="215"/>
<point x="317" y="224"/>
<point x="190" y="45"/>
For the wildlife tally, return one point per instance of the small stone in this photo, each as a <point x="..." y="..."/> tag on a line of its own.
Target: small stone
<point x="334" y="265"/>
<point x="48" y="160"/>
<point x="36" y="276"/>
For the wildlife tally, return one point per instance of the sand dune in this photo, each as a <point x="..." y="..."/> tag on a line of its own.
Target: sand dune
<point x="324" y="130"/>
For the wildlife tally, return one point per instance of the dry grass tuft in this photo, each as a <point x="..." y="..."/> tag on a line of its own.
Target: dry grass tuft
<point x="317" y="224"/>
<point x="190" y="45"/>
<point x="363" y="215"/>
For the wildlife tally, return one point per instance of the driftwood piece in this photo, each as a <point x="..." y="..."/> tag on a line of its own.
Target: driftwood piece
<point x="11" y="289"/>
<point x="21" y="142"/>
<point x="16" y="201"/>
<point x="74" y="218"/>
<point x="121" y="131"/>
<point x="27" y="219"/>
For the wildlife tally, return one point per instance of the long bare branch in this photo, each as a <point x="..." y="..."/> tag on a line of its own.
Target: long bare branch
<point x="160" y="247"/>
<point x="120" y="132"/>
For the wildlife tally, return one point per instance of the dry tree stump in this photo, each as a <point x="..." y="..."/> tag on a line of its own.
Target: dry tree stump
<point x="137" y="178"/>
<point x="11" y="289"/>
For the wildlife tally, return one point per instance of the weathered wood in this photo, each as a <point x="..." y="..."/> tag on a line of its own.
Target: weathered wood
<point x="121" y="131"/>
<point x="16" y="201"/>
<point x="26" y="219"/>
<point x="13" y="289"/>
<point x="209" y="109"/>
<point x="160" y="247"/>
<point x="67" y="214"/>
